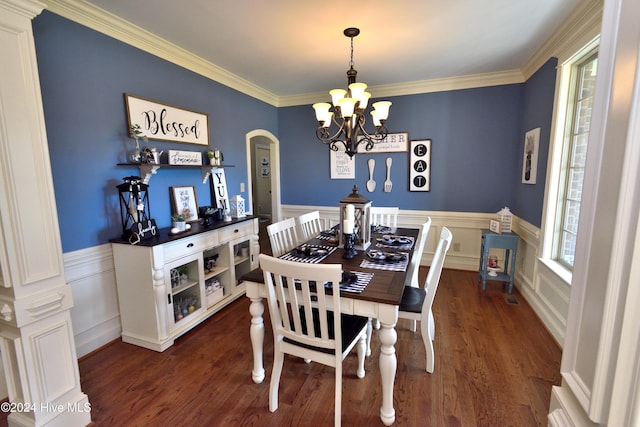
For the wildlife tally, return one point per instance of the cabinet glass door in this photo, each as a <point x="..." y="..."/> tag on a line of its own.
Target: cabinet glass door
<point x="183" y="279"/>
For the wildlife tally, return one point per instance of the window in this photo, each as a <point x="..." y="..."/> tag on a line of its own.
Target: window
<point x="574" y="149"/>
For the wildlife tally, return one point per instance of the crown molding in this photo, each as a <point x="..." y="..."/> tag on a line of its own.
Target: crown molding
<point x="107" y="23"/>
<point x="418" y="87"/>
<point x="27" y="8"/>
<point x="582" y="26"/>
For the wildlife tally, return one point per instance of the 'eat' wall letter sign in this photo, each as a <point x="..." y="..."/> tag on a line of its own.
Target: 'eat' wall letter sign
<point x="420" y="165"/>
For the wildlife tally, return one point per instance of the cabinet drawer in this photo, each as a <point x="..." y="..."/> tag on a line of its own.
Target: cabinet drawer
<point x="236" y="230"/>
<point x="190" y="245"/>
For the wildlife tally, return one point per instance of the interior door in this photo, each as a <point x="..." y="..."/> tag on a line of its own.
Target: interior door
<point x="262" y="174"/>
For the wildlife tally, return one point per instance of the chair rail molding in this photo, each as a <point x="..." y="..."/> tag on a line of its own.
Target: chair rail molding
<point x="546" y="292"/>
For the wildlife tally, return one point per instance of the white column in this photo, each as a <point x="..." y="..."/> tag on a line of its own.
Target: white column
<point x="36" y="336"/>
<point x="600" y="361"/>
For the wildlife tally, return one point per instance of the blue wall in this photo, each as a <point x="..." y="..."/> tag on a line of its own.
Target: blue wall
<point x="478" y="137"/>
<point x="539" y="92"/>
<point x="83" y="76"/>
<point x="474" y="155"/>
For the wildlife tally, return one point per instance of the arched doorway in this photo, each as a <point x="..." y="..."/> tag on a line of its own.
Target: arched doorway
<point x="263" y="175"/>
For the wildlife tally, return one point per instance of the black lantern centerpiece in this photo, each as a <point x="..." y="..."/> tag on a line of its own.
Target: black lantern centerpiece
<point x="134" y="210"/>
<point x="356" y="208"/>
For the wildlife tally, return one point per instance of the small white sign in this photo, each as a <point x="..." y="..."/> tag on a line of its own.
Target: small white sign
<point x="342" y="166"/>
<point x="220" y="189"/>
<point x="177" y="157"/>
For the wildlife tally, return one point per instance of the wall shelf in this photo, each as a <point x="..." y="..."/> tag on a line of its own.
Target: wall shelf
<point x="148" y="169"/>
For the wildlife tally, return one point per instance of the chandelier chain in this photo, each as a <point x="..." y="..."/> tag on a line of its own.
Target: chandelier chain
<point x="351" y="61"/>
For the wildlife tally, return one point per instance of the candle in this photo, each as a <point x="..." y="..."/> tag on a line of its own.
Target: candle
<point x="347" y="226"/>
<point x="350" y="212"/>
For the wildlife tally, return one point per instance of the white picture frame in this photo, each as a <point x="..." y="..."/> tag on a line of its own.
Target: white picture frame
<point x="342" y="166"/>
<point x="530" y="156"/>
<point x="164" y="122"/>
<point x="183" y="200"/>
<point x="393" y="143"/>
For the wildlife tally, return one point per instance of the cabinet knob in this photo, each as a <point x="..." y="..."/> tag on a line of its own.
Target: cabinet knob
<point x="190" y="245"/>
<point x="236" y="230"/>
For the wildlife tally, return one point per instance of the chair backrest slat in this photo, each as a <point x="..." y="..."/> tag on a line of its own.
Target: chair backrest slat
<point x="283" y="236"/>
<point x="418" y="249"/>
<point x="387" y="216"/>
<point x="309" y="225"/>
<point x="296" y="295"/>
<point x="435" y="270"/>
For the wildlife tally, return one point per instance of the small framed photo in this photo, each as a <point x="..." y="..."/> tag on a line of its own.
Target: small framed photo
<point x="184" y="201"/>
<point x="494" y="226"/>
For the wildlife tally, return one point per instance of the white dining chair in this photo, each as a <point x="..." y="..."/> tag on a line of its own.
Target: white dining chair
<point x="412" y="275"/>
<point x="414" y="266"/>
<point x="283" y="236"/>
<point x="387" y="216"/>
<point x="309" y="225"/>
<point x="416" y="302"/>
<point x="303" y="325"/>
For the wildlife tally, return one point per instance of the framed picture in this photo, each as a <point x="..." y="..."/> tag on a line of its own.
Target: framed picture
<point x="342" y="166"/>
<point x="183" y="201"/>
<point x="393" y="143"/>
<point x="494" y="226"/>
<point x="530" y="156"/>
<point x="165" y="122"/>
<point x="420" y="165"/>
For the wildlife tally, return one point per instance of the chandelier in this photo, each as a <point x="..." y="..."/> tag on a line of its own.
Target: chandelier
<point x="349" y="113"/>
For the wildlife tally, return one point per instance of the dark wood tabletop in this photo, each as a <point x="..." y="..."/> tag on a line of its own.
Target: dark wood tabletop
<point x="385" y="286"/>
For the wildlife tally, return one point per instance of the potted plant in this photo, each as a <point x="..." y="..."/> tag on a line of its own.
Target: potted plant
<point x="178" y="221"/>
<point x="215" y="157"/>
<point x="136" y="132"/>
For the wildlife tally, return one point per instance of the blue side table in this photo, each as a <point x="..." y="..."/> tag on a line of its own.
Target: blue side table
<point x="506" y="241"/>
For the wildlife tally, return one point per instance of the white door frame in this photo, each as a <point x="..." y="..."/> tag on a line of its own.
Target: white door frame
<point x="274" y="149"/>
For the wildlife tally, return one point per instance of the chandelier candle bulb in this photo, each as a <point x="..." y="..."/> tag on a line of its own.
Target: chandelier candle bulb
<point x="336" y="96"/>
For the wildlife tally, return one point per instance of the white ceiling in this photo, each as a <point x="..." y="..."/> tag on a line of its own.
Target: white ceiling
<point x="292" y="47"/>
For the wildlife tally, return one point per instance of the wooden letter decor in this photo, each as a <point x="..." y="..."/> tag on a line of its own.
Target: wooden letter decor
<point x="219" y="184"/>
<point x="420" y="166"/>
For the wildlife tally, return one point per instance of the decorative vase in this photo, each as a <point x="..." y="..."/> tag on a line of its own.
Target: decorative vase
<point x="180" y="225"/>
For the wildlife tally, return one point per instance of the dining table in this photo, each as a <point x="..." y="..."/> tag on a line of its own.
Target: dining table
<point x="378" y="299"/>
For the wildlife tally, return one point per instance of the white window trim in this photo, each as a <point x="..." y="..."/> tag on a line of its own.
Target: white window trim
<point x="549" y="230"/>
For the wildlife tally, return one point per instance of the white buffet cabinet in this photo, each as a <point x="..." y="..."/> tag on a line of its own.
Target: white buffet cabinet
<point x="169" y="284"/>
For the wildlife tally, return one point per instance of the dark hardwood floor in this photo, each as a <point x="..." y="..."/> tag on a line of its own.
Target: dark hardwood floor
<point x="495" y="365"/>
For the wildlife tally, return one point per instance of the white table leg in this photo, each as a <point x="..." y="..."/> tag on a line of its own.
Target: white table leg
<point x="256" y="309"/>
<point x="369" y="332"/>
<point x="388" y="365"/>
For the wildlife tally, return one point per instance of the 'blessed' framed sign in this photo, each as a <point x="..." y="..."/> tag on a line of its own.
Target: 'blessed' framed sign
<point x="167" y="123"/>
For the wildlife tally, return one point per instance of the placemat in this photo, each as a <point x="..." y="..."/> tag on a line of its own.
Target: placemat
<point x="383" y="229"/>
<point x="359" y="285"/>
<point x="405" y="247"/>
<point x="292" y="256"/>
<point x="386" y="265"/>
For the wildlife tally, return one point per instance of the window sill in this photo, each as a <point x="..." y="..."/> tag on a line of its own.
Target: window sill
<point x="560" y="270"/>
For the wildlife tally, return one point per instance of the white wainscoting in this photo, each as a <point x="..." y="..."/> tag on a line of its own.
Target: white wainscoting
<point x="96" y="317"/>
<point x="95" y="314"/>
